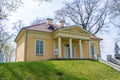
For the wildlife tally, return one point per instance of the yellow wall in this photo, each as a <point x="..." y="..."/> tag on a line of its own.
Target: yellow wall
<point x="96" y="45"/>
<point x="20" y="48"/>
<point x="48" y="46"/>
<point x="76" y="44"/>
<point x="85" y="49"/>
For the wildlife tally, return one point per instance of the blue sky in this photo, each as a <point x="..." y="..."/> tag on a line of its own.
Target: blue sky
<point x="30" y="10"/>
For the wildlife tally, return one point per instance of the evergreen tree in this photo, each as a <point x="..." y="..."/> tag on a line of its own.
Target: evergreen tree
<point x="116" y="50"/>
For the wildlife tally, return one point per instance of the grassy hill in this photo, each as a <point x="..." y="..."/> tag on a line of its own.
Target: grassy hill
<point x="58" y="70"/>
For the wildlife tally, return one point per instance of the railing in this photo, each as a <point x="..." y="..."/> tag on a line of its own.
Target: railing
<point x="117" y="56"/>
<point x="113" y="60"/>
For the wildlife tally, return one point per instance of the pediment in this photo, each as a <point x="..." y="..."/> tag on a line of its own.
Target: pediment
<point x="75" y="29"/>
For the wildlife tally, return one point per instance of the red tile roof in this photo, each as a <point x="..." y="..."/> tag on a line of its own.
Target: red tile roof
<point x="43" y="27"/>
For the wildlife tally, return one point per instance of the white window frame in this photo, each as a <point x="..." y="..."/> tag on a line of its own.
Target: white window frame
<point x="43" y="46"/>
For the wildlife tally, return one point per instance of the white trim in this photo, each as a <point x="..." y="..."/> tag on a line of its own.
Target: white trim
<point x="71" y="35"/>
<point x="76" y="27"/>
<point x="95" y="55"/>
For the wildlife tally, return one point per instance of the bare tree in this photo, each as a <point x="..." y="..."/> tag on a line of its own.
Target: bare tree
<point x="18" y="25"/>
<point x="8" y="53"/>
<point x="8" y="5"/>
<point x="115" y="6"/>
<point x="38" y="20"/>
<point x="89" y="14"/>
<point x="4" y="38"/>
<point x="115" y="12"/>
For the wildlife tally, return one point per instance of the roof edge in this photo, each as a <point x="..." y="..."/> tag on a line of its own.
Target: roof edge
<point x="94" y="37"/>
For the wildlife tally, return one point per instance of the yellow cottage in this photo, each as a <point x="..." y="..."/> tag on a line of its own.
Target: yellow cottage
<point x="51" y="41"/>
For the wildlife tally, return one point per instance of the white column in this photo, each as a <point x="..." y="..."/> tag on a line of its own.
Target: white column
<point x="80" y="49"/>
<point x="70" y="43"/>
<point x="89" y="44"/>
<point x="59" y="47"/>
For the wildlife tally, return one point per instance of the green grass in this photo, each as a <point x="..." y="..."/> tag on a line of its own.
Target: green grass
<point x="58" y="70"/>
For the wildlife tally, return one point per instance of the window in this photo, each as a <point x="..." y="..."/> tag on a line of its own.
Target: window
<point x="39" y="47"/>
<point x="92" y="50"/>
<point x="51" y="27"/>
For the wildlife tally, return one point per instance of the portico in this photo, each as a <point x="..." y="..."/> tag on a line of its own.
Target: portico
<point x="73" y="44"/>
<point x="73" y="48"/>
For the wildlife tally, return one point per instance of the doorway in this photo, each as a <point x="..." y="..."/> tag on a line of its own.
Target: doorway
<point x="67" y="52"/>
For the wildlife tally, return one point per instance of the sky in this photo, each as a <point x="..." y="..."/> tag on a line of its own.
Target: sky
<point x="30" y="10"/>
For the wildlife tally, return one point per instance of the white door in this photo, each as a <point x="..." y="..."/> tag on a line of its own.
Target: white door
<point x="68" y="52"/>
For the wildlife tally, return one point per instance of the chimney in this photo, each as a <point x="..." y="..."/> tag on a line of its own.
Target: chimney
<point x="49" y="20"/>
<point x="62" y="23"/>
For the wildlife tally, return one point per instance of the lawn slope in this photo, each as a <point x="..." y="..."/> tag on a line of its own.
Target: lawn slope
<point x="58" y="70"/>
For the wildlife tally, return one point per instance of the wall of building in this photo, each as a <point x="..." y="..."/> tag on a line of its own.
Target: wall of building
<point x="76" y="45"/>
<point x="85" y="49"/>
<point x="20" y="48"/>
<point x="96" y="45"/>
<point x="48" y="46"/>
